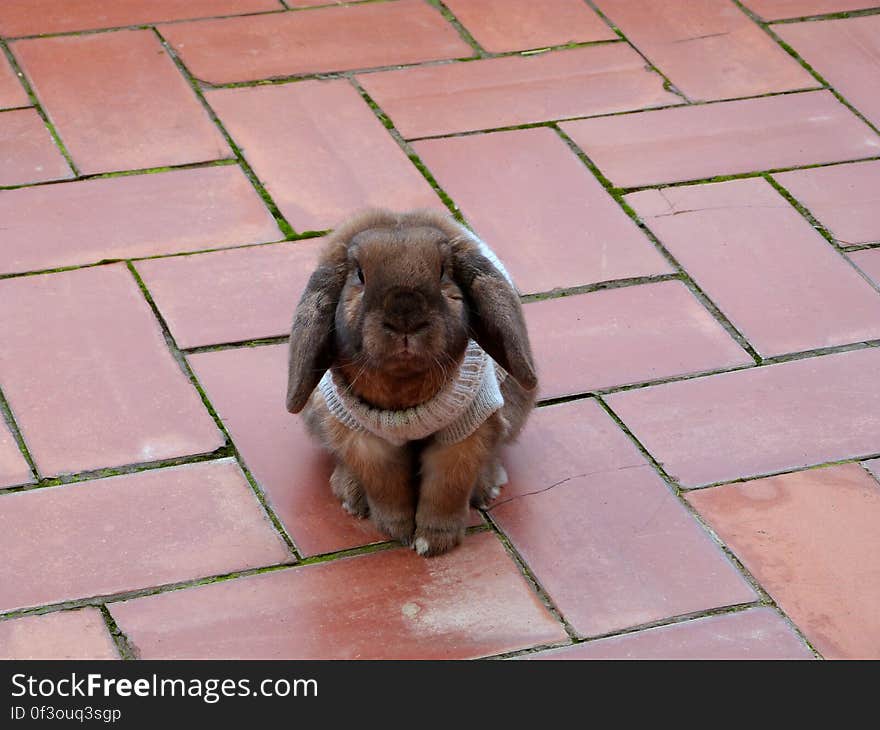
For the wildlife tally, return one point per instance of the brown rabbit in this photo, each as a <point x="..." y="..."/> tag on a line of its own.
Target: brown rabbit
<point x="410" y="356"/>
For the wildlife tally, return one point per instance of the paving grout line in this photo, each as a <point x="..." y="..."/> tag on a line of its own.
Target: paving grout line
<point x="260" y="342"/>
<point x="7" y="417"/>
<point x="806" y="66"/>
<point x="125" y="173"/>
<point x="660" y="623"/>
<point x="667" y="82"/>
<point x="35" y="102"/>
<point x="191" y="376"/>
<point x="286" y="228"/>
<point x="672" y="484"/>
<point x="120" y="596"/>
<point x="465" y="34"/>
<point x="819" y="228"/>
<point x="686" y="278"/>
<point x="561" y="292"/>
<point x="15" y="108"/>
<point x="407" y="149"/>
<point x="123" y="645"/>
<point x="741" y="175"/>
<point x="826" y="16"/>
<point x="529" y="575"/>
<point x="223" y="452"/>
<point x="153" y="257"/>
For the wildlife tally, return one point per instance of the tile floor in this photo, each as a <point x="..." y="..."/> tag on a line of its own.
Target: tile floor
<point x="687" y="196"/>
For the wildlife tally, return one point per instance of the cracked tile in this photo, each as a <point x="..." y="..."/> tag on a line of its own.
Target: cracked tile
<point x="608" y="541"/>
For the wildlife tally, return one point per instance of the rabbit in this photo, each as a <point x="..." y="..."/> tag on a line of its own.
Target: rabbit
<point x="408" y="321"/>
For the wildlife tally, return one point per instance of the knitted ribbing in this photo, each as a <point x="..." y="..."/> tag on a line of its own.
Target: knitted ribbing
<point x="452" y="415"/>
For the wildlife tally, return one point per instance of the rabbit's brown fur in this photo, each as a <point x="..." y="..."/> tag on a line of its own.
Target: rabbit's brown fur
<point x="391" y="307"/>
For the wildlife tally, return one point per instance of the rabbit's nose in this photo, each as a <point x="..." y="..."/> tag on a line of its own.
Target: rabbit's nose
<point x="405" y="312"/>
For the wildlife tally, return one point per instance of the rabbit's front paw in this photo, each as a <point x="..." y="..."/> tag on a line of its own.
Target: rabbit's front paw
<point x="431" y="541"/>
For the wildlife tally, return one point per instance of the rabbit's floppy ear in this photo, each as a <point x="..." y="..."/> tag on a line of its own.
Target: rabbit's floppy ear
<point x="496" y="320"/>
<point x="311" y="338"/>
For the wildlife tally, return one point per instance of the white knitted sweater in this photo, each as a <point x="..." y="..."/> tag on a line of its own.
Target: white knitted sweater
<point x="453" y="414"/>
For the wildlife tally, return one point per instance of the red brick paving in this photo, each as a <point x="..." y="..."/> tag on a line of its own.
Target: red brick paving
<point x="145" y="529"/>
<point x="27" y="151"/>
<point x="118" y="102"/>
<point x="843" y="198"/>
<point x="140" y="215"/>
<point x="79" y="634"/>
<point x="711" y="52"/>
<point x="762" y="263"/>
<point x="516" y="90"/>
<point x="516" y="25"/>
<point x="847" y="55"/>
<point x="320" y="151"/>
<point x="32" y="17"/>
<point x="623" y="336"/>
<point x="92" y="379"/>
<point x="356" y="37"/>
<point x="780" y="417"/>
<point x="757" y="633"/>
<point x="554" y="225"/>
<point x="633" y="554"/>
<point x="97" y="387"/>
<point x="729" y="138"/>
<point x="12" y="93"/>
<point x="806" y="537"/>
<point x="390" y="605"/>
<point x="230" y="296"/>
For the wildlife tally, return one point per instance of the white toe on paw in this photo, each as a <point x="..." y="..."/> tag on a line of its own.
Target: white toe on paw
<point x="494" y="492"/>
<point x="500" y="477"/>
<point x="421" y="545"/>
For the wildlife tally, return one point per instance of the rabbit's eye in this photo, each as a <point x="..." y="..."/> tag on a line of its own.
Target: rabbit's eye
<point x="360" y="273"/>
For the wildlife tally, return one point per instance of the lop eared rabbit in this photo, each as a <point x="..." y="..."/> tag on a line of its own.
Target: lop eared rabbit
<point x="410" y="360"/>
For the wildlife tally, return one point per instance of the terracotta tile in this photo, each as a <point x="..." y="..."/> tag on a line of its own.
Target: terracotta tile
<point x="13" y="467"/>
<point x="843" y="198"/>
<point x="733" y="137"/>
<point x="246" y="387"/>
<point x="389" y="605"/>
<point x="514" y="25"/>
<point x="32" y="17"/>
<point x="869" y="262"/>
<point x="12" y="93"/>
<point x="847" y="55"/>
<point x="120" y="397"/>
<point x="27" y="151"/>
<point x="230" y="296"/>
<point x="757" y="633"/>
<point x="759" y="421"/>
<point x="779" y="9"/>
<point x="79" y="634"/>
<point x="780" y="283"/>
<point x="133" y="531"/>
<point x="554" y="225"/>
<point x="118" y="102"/>
<point x="352" y="37"/>
<point x="602" y="533"/>
<point x="622" y="336"/>
<point x="709" y="50"/>
<point x="805" y="536"/>
<point x="503" y="92"/>
<point x="320" y="151"/>
<point x="873" y="466"/>
<point x="139" y="215"/>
